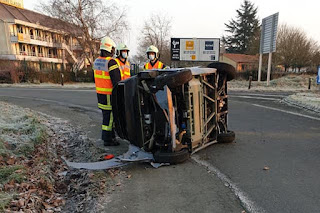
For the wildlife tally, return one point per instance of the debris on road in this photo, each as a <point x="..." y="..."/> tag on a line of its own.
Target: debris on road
<point x="108" y="157"/>
<point x="266" y="168"/>
<point x="134" y="154"/>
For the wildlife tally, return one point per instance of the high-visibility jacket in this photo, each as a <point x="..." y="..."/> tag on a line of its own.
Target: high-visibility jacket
<point x="101" y="75"/>
<point x="157" y="65"/>
<point x="124" y="69"/>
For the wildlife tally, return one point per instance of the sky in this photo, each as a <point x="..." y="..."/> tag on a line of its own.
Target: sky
<point x="206" y="18"/>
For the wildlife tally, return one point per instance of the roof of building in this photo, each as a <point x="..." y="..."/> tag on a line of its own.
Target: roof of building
<point x="8" y="12"/>
<point x="241" y="58"/>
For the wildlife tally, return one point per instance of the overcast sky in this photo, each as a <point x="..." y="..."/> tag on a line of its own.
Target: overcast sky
<point x="206" y="18"/>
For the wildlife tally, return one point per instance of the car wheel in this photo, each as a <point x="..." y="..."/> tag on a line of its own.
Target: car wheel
<point x="171" y="157"/>
<point x="224" y="68"/>
<point x="173" y="80"/>
<point x="226" y="137"/>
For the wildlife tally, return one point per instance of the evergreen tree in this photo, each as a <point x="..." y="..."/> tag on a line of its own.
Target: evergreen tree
<point x="244" y="30"/>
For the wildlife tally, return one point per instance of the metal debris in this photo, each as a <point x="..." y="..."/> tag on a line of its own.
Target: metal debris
<point x="134" y="154"/>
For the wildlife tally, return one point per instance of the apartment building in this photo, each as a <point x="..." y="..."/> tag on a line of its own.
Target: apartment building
<point x="36" y="39"/>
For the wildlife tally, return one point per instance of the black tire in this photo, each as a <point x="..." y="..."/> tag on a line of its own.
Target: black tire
<point x="224" y="68"/>
<point x="171" y="157"/>
<point x="226" y="137"/>
<point x="173" y="79"/>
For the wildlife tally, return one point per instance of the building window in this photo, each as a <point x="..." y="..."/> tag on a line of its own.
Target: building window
<point x="40" y="52"/>
<point x="20" y="29"/>
<point x="50" y="53"/>
<point x="22" y="49"/>
<point x="33" y="51"/>
<point x="31" y="33"/>
<point x="38" y="34"/>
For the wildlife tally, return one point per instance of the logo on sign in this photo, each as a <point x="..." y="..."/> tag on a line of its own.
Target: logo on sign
<point x="208" y="45"/>
<point x="175" y="49"/>
<point x="189" y="45"/>
<point x="175" y="43"/>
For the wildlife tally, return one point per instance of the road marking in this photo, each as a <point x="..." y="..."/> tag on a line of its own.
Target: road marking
<point x="254" y="94"/>
<point x="247" y="203"/>
<point x="261" y="98"/>
<point x="53" y="89"/>
<point x="56" y="102"/>
<point x="288" y="112"/>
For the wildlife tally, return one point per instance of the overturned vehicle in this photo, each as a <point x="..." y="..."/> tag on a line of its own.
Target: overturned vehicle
<point x="174" y="112"/>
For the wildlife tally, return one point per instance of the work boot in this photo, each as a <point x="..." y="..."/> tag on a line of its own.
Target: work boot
<point x="113" y="142"/>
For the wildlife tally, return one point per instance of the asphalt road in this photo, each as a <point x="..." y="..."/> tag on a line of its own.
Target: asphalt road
<point x="221" y="178"/>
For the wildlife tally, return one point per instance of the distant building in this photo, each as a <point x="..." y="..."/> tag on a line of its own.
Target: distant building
<point x="36" y="39"/>
<point x="240" y="62"/>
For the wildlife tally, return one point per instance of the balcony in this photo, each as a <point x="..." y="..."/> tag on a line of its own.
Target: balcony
<point x="43" y="41"/>
<point x="32" y="56"/>
<point x="35" y="40"/>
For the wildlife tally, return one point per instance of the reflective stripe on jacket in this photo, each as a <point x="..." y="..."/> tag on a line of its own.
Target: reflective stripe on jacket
<point x="124" y="69"/>
<point x="101" y="75"/>
<point x="157" y="65"/>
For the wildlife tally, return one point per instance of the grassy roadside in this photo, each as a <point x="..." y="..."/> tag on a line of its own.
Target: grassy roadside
<point x="22" y="142"/>
<point x="33" y="177"/>
<point x="286" y="83"/>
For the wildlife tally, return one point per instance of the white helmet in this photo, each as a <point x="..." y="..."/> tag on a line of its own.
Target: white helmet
<point x="107" y="44"/>
<point x="153" y="49"/>
<point x="120" y="47"/>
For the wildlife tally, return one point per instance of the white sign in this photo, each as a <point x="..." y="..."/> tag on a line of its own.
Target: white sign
<point x="269" y="31"/>
<point x="193" y="49"/>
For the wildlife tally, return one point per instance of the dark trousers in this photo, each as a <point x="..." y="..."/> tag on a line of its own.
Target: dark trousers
<point x="104" y="103"/>
<point x="107" y="126"/>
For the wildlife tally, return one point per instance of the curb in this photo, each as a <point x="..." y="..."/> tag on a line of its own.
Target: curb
<point x="300" y="105"/>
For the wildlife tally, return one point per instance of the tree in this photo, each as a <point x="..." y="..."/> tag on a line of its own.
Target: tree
<point x="316" y="57"/>
<point x="88" y="21"/>
<point x="294" y="48"/>
<point x="156" y="31"/>
<point x="244" y="30"/>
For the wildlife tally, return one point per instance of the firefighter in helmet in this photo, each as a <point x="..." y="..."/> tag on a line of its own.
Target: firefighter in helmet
<point x="122" y="53"/>
<point x="106" y="75"/>
<point x="153" y="56"/>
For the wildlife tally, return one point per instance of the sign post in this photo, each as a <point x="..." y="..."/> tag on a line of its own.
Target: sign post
<point x="268" y="39"/>
<point x="195" y="49"/>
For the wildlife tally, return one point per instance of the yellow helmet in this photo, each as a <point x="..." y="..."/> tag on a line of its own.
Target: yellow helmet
<point x="153" y="49"/>
<point x="107" y="44"/>
<point x="120" y="47"/>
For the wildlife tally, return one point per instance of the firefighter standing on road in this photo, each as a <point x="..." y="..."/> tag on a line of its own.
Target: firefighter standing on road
<point x="106" y="74"/>
<point x="153" y="56"/>
<point x="122" y="59"/>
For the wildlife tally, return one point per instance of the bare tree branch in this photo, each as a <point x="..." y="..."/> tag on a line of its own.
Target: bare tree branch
<point x="156" y="31"/>
<point x="88" y="21"/>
